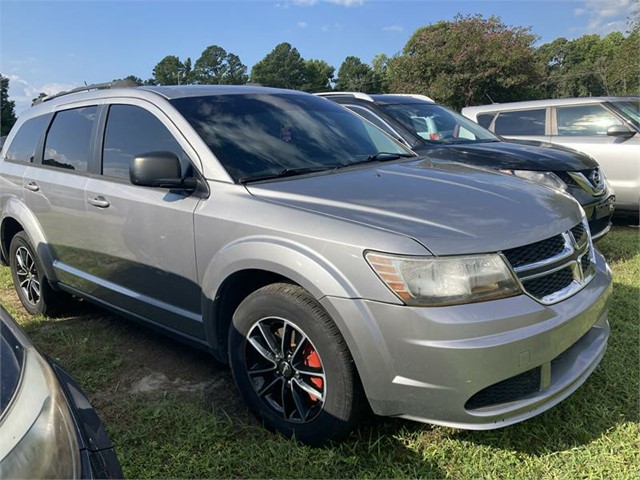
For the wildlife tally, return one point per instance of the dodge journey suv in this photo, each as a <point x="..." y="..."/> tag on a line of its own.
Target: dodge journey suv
<point x="330" y="266"/>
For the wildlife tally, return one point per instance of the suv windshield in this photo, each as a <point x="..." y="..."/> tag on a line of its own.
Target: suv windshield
<point x="630" y="110"/>
<point x="257" y="136"/>
<point x="435" y="123"/>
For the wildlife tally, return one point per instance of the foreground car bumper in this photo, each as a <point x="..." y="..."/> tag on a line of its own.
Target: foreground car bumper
<point x="479" y="366"/>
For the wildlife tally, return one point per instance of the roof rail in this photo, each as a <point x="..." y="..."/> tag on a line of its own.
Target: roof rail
<point x="360" y="95"/>
<point x="86" y="88"/>
<point x="414" y="95"/>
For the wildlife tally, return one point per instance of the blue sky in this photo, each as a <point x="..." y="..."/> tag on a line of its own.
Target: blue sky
<point x="55" y="45"/>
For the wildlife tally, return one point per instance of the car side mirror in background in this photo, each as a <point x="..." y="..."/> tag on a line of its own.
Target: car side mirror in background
<point x="159" y="169"/>
<point x="619" y="131"/>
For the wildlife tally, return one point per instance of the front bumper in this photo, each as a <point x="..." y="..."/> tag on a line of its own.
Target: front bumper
<point x="599" y="216"/>
<point x="452" y="365"/>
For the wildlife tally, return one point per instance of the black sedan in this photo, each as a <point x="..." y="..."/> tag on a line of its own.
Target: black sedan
<point x="48" y="429"/>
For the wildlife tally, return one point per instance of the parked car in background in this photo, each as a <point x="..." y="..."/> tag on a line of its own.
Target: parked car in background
<point x="606" y="128"/>
<point x="328" y="264"/>
<point x="48" y="429"/>
<point x="439" y="133"/>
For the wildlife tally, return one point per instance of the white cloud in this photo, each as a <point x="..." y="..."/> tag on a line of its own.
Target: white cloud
<point x="302" y="24"/>
<point x="304" y="3"/>
<point x="348" y="3"/>
<point x="393" y="28"/>
<point x="605" y="16"/>
<point x="22" y="92"/>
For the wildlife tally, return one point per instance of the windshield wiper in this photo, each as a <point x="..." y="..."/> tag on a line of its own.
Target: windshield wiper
<point x="378" y="157"/>
<point x="287" y="172"/>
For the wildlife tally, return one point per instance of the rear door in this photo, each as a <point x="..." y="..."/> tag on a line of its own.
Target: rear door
<point x="142" y="252"/>
<point x="584" y="128"/>
<point x="54" y="188"/>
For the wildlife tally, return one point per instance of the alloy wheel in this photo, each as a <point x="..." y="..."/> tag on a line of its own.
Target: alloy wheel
<point x="27" y="273"/>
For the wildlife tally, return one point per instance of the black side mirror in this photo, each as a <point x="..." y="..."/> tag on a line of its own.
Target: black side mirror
<point x="159" y="169"/>
<point x="619" y="131"/>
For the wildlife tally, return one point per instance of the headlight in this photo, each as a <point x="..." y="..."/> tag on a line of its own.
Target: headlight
<point x="438" y="281"/>
<point x="549" y="179"/>
<point x="38" y="436"/>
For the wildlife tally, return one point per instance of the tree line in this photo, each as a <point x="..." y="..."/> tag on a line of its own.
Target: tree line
<point x="469" y="60"/>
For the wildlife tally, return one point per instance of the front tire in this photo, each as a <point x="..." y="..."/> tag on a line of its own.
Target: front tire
<point x="33" y="288"/>
<point x="293" y="367"/>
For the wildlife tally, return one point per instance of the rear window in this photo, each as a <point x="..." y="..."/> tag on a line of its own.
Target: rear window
<point x="68" y="143"/>
<point x="525" y="122"/>
<point x="24" y="144"/>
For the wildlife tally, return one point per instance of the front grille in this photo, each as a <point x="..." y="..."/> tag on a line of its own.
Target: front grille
<point x="566" y="178"/>
<point x="554" y="269"/>
<point x="541" y="287"/>
<point x="535" y="252"/>
<point x="512" y="389"/>
<point x="578" y="233"/>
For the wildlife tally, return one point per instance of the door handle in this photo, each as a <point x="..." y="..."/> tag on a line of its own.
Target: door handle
<point x="99" y="201"/>
<point x="33" y="186"/>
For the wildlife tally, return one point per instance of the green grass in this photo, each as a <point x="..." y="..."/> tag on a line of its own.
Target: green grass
<point x="206" y="432"/>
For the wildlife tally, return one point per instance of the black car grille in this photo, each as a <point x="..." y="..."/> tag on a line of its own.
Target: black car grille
<point x="535" y="252"/>
<point x="540" y="287"/>
<point x="512" y="389"/>
<point x="559" y="264"/>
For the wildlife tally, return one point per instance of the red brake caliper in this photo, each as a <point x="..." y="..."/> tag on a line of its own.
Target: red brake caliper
<point x="311" y="359"/>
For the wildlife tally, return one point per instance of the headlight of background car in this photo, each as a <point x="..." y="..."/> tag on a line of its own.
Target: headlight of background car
<point x="549" y="179"/>
<point x="438" y="281"/>
<point x="38" y="437"/>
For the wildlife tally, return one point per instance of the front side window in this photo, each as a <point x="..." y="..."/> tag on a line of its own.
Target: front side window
<point x="23" y="146"/>
<point x="68" y="142"/>
<point x="524" y="122"/>
<point x="133" y="131"/>
<point x="629" y="109"/>
<point x="255" y="135"/>
<point x="585" y="120"/>
<point x="377" y="121"/>
<point x="436" y="123"/>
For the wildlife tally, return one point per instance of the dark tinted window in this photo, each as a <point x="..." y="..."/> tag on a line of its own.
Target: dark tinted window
<point x="525" y="122"/>
<point x="261" y="134"/>
<point x="485" y="119"/>
<point x="24" y="144"/>
<point x="68" y="143"/>
<point x="133" y="131"/>
<point x="585" y="120"/>
<point x="377" y="121"/>
<point x="11" y="363"/>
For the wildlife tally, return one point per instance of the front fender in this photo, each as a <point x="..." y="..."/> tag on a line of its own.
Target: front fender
<point x="14" y="208"/>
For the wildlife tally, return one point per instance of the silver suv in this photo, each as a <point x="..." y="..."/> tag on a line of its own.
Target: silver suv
<point x="329" y="265"/>
<point x="606" y="128"/>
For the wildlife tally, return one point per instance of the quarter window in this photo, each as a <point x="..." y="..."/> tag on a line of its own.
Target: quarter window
<point x="68" y="143"/>
<point x="133" y="131"/>
<point x="525" y="122"/>
<point x="23" y="146"/>
<point x="584" y="120"/>
<point x="485" y="119"/>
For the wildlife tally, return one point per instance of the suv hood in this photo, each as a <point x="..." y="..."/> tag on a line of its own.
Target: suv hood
<point x="448" y="207"/>
<point x="513" y="155"/>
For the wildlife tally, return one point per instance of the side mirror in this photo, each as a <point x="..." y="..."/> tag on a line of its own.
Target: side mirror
<point x="619" y="131"/>
<point x="159" y="169"/>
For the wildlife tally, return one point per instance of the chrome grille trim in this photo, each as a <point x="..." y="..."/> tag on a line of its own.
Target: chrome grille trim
<point x="572" y="256"/>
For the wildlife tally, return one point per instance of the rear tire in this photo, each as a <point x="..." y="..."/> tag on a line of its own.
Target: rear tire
<point x="293" y="367"/>
<point x="33" y="288"/>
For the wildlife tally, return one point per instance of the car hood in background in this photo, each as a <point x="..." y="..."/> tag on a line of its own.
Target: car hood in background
<point x="512" y="155"/>
<point x="448" y="207"/>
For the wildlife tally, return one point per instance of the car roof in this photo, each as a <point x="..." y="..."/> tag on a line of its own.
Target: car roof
<point x="554" y="102"/>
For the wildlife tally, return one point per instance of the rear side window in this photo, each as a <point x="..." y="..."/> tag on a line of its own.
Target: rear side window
<point x="24" y="144"/>
<point x="485" y="119"/>
<point x="525" y="122"/>
<point x="132" y="131"/>
<point x="68" y="142"/>
<point x="585" y="120"/>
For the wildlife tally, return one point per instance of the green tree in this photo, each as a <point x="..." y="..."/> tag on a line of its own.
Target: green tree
<point x="461" y="62"/>
<point x="171" y="71"/>
<point x="282" y="67"/>
<point x="131" y="79"/>
<point x="380" y="68"/>
<point x="356" y="76"/>
<point x="7" y="107"/>
<point x="217" y="66"/>
<point x="318" y="75"/>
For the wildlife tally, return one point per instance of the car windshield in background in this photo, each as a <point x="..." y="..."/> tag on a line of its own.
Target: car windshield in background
<point x="437" y="124"/>
<point x="258" y="136"/>
<point x="629" y="109"/>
